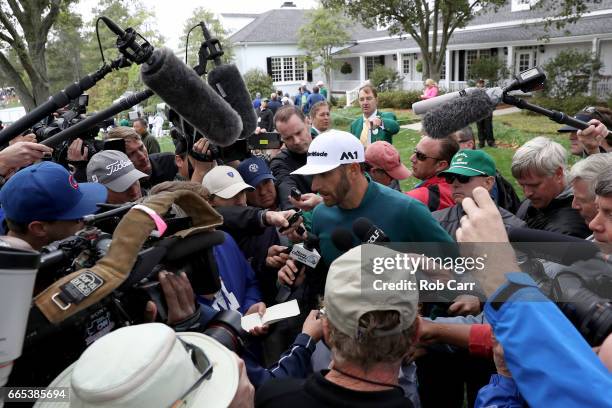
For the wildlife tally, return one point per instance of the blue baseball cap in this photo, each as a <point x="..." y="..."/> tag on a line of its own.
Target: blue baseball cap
<point x="254" y="170"/>
<point x="48" y="192"/>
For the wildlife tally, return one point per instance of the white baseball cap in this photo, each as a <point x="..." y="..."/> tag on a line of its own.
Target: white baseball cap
<point x="320" y="83"/>
<point x="225" y="182"/>
<point x="330" y="150"/>
<point x="149" y="365"/>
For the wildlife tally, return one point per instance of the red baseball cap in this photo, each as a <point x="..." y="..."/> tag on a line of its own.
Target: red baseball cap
<point x="383" y="155"/>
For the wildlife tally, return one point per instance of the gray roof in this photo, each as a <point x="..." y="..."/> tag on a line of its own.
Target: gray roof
<point x="584" y="26"/>
<point x="281" y="26"/>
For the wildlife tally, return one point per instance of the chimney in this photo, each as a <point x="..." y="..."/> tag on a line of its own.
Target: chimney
<point x="288" y="4"/>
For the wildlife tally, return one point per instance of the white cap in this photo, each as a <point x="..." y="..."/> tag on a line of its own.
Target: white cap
<point x="320" y="83"/>
<point x="225" y="182"/>
<point x="147" y="365"/>
<point x="330" y="150"/>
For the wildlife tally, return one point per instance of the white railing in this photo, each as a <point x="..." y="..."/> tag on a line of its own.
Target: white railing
<point x="604" y="87"/>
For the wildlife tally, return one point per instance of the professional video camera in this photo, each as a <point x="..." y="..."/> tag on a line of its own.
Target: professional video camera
<point x="74" y="113"/>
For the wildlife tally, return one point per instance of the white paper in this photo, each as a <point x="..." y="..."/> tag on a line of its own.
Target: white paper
<point x="273" y="314"/>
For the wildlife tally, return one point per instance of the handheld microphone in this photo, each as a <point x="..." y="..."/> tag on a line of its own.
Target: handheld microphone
<point x="369" y="233"/>
<point x="192" y="98"/>
<point x="227" y="81"/>
<point x="458" y="113"/>
<point x="342" y="239"/>
<point x="304" y="255"/>
<point x="554" y="247"/>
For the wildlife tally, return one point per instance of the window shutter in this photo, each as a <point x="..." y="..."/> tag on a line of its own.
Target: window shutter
<point x="308" y="73"/>
<point x="269" y="66"/>
<point x="381" y="59"/>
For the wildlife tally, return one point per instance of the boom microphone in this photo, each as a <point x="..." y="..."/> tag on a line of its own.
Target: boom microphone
<point x="457" y="114"/>
<point x="558" y="248"/>
<point x="422" y="107"/>
<point x="192" y="98"/>
<point x="227" y="81"/>
<point x="342" y="239"/>
<point x="369" y="233"/>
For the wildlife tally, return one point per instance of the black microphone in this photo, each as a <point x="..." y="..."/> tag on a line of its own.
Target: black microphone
<point x="369" y="233"/>
<point x="192" y="98"/>
<point x="458" y="113"/>
<point x="305" y="256"/>
<point x="229" y="84"/>
<point x="554" y="247"/>
<point x="342" y="239"/>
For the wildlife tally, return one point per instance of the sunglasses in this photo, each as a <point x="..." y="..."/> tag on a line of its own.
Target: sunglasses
<point x="422" y="156"/>
<point x="201" y="363"/>
<point x="450" y="178"/>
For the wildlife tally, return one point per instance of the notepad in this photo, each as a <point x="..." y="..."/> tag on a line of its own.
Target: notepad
<point x="273" y="314"/>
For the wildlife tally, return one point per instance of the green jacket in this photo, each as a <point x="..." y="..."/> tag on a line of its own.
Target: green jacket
<point x="390" y="125"/>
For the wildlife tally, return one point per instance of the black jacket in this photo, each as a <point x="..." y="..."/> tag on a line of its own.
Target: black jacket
<point x="558" y="216"/>
<point x="450" y="217"/>
<point x="265" y="119"/>
<point x="163" y="168"/>
<point x="282" y="166"/>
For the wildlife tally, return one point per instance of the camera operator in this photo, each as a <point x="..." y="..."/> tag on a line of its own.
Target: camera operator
<point x="189" y="168"/>
<point x="541" y="346"/>
<point x="159" y="167"/>
<point x="43" y="203"/>
<point x="116" y="172"/>
<point x="150" y="142"/>
<point x="540" y="167"/>
<point x="291" y="124"/>
<point x="18" y="155"/>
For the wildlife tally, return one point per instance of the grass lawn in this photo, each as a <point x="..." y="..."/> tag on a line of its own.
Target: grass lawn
<point x="511" y="131"/>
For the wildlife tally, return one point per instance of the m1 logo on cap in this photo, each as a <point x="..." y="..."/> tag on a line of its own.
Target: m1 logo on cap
<point x="73" y="182"/>
<point x="349" y="155"/>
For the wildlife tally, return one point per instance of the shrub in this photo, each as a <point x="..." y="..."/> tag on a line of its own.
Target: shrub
<point x="397" y="99"/>
<point x="346" y="68"/>
<point x="566" y="105"/>
<point x="381" y="74"/>
<point x="491" y="69"/>
<point x="257" y="80"/>
<point x="569" y="73"/>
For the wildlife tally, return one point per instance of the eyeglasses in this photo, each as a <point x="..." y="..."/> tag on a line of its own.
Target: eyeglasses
<point x="450" y="178"/>
<point x="370" y="169"/>
<point x="201" y="363"/>
<point x="422" y="157"/>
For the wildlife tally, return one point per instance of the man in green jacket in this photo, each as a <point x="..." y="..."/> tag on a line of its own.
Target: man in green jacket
<point x="373" y="125"/>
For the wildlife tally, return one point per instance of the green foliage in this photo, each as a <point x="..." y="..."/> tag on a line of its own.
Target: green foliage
<point x="64" y="50"/>
<point x="565" y="105"/>
<point x="320" y="36"/>
<point x="257" y="80"/>
<point x="491" y="69"/>
<point x="196" y="37"/>
<point x="346" y="68"/>
<point x="384" y="75"/>
<point x="569" y="73"/>
<point x="419" y="66"/>
<point x="398" y="99"/>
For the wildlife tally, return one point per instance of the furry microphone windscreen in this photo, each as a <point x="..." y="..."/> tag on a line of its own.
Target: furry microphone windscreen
<point x="227" y="81"/>
<point x="457" y="114"/>
<point x="192" y="98"/>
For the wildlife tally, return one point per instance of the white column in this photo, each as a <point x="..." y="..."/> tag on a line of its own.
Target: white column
<point x="510" y="59"/>
<point x="457" y="62"/>
<point x="595" y="49"/>
<point x="362" y="70"/>
<point x="447" y="68"/>
<point x="400" y="67"/>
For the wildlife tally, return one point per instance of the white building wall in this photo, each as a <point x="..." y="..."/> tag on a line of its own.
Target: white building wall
<point x="606" y="57"/>
<point x="552" y="50"/>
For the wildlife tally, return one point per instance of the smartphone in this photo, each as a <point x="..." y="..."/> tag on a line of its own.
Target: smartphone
<point x="268" y="140"/>
<point x="114" y="144"/>
<point x="296" y="194"/>
<point x="292" y="220"/>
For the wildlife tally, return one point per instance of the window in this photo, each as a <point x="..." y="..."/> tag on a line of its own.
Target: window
<point x="524" y="62"/>
<point x="406" y="63"/>
<point x="472" y="55"/>
<point x="370" y="62"/>
<point x="287" y="69"/>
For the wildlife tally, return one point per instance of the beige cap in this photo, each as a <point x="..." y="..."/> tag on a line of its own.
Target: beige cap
<point x="350" y="291"/>
<point x="225" y="182"/>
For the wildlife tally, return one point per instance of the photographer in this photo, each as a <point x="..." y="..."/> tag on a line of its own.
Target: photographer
<point x="540" y="344"/>
<point x="43" y="203"/>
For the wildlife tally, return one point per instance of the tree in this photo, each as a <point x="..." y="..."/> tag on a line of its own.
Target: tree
<point x="257" y="80"/>
<point x="431" y="23"/>
<point x="320" y="36"/>
<point x="24" y="28"/>
<point x="490" y="69"/>
<point x="569" y="73"/>
<point x="387" y="77"/>
<point x="64" y="51"/>
<point x="196" y="37"/>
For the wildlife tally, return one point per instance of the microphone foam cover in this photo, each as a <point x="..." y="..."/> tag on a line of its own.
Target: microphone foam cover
<point x="361" y="228"/>
<point x="342" y="239"/>
<point x="192" y="98"/>
<point x="226" y="79"/>
<point x="449" y="117"/>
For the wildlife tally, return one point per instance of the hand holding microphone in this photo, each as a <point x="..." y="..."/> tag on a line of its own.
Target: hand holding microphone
<point x="292" y="275"/>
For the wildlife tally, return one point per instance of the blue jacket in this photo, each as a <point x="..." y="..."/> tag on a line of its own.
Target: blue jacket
<point x="501" y="392"/>
<point x="239" y="288"/>
<point x="312" y="99"/>
<point x="294" y="363"/>
<point x="551" y="363"/>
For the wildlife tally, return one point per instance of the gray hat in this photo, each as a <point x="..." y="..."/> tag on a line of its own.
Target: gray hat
<point x="114" y="170"/>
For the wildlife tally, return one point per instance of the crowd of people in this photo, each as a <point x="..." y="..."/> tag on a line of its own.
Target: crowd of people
<point x="500" y="342"/>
